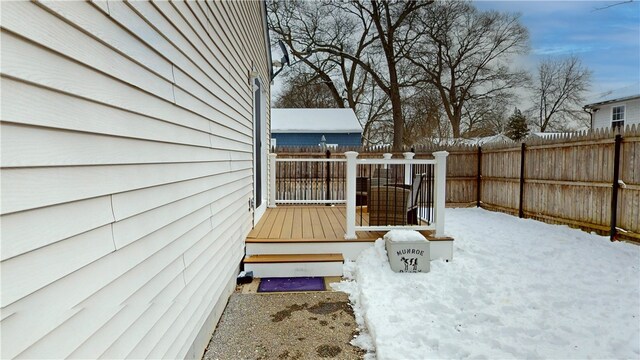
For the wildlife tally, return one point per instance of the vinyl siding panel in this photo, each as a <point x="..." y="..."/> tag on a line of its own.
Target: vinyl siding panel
<point x="44" y="226"/>
<point x="602" y="117"/>
<point x="127" y="166"/>
<point x="63" y="111"/>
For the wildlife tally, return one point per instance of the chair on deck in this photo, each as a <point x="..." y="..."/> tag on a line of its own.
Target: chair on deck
<point x="394" y="204"/>
<point x="364" y="183"/>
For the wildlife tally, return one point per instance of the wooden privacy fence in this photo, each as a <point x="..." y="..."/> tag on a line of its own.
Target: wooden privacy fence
<point x="564" y="179"/>
<point x="590" y="180"/>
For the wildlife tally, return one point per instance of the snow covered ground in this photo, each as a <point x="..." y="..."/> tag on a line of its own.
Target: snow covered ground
<point x="515" y="289"/>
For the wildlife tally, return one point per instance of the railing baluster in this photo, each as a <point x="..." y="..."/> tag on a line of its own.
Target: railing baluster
<point x="351" y="195"/>
<point x="440" y="190"/>
<point x="272" y="182"/>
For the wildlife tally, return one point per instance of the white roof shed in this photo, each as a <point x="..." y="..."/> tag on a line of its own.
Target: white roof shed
<point x="314" y="121"/>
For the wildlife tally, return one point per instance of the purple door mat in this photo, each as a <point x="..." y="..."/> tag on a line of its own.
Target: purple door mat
<point x="291" y="284"/>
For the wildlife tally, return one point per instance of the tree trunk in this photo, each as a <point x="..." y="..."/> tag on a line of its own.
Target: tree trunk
<point x="455" y="122"/>
<point x="398" y="123"/>
<point x="396" y="101"/>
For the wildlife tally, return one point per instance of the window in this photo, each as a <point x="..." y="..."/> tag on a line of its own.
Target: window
<point x="617" y="116"/>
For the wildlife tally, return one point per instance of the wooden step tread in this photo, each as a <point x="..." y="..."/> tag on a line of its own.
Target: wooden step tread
<point x="292" y="258"/>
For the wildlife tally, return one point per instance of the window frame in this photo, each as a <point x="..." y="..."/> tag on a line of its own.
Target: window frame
<point x="618" y="123"/>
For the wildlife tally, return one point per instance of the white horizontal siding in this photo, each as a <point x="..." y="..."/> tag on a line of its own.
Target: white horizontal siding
<point x="138" y="201"/>
<point x="26" y="146"/>
<point x="22" y="275"/>
<point x="63" y="38"/>
<point x="37" y="187"/>
<point x="63" y="111"/>
<point x="40" y="227"/>
<point x="602" y="117"/>
<point x="127" y="169"/>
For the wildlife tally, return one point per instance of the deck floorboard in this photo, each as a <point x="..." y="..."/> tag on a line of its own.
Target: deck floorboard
<point x="308" y="223"/>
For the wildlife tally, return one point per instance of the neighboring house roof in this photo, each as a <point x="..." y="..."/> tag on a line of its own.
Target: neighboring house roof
<point x="621" y="94"/>
<point x="314" y="121"/>
<point x="486" y="140"/>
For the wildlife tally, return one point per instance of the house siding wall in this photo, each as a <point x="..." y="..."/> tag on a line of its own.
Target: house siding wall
<point x="602" y="117"/>
<point x="313" y="139"/>
<point x="127" y="166"/>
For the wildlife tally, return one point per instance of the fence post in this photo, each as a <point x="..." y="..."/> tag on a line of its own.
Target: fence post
<point x="479" y="179"/>
<point x="351" y="195"/>
<point x="520" y="209"/>
<point x="408" y="168"/>
<point x="440" y="193"/>
<point x="386" y="156"/>
<point x="272" y="179"/>
<point x="614" y="190"/>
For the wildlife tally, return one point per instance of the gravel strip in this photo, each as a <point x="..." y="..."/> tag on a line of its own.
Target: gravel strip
<point x="285" y="326"/>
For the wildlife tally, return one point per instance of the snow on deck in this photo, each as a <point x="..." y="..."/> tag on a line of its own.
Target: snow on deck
<point x="515" y="289"/>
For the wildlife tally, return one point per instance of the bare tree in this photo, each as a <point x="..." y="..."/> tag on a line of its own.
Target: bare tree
<point x="351" y="38"/>
<point x="486" y="116"/>
<point x="558" y="91"/>
<point x="423" y="114"/>
<point x="465" y="55"/>
<point x="374" y="108"/>
<point x="304" y="90"/>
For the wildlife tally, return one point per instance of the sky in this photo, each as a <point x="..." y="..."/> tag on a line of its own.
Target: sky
<point x="606" y="40"/>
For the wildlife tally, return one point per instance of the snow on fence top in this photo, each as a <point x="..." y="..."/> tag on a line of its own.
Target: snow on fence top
<point x="314" y="120"/>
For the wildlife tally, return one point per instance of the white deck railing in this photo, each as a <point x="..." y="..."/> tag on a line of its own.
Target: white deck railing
<point x="314" y="192"/>
<point x="306" y="181"/>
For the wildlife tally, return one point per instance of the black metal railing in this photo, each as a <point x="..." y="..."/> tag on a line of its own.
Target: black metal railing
<point x="391" y="195"/>
<point x="310" y="181"/>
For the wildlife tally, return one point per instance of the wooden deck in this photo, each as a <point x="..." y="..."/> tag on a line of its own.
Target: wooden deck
<point x="308" y="223"/>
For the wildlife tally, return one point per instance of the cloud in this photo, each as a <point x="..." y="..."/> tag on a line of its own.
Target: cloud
<point x="608" y="41"/>
<point x="563" y="49"/>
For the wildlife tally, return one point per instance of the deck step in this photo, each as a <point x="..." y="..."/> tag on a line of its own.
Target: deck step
<point x="291" y="265"/>
<point x="292" y="258"/>
<point x="347" y="249"/>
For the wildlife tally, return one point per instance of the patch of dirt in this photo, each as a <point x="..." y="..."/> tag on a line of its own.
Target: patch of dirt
<point x="286" y="355"/>
<point x="328" y="351"/>
<point x="284" y="314"/>
<point x="323" y="308"/>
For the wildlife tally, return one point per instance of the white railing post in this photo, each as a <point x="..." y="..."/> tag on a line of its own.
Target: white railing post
<point x="351" y="195"/>
<point x="272" y="180"/>
<point x="440" y="193"/>
<point x="386" y="156"/>
<point x="408" y="168"/>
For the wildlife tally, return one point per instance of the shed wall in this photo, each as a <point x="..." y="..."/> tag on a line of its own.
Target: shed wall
<point x="127" y="167"/>
<point x="313" y="139"/>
